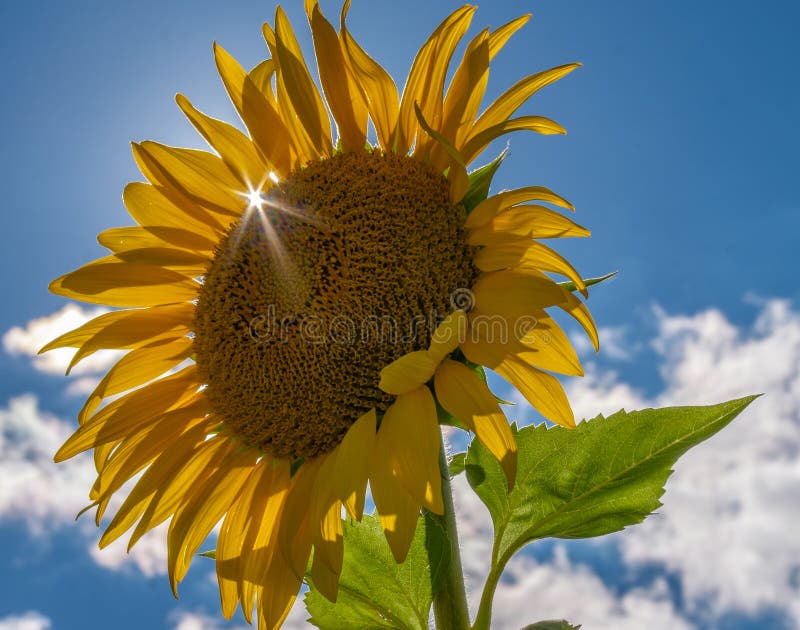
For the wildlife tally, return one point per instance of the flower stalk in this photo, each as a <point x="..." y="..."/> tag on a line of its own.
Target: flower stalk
<point x="450" y="601"/>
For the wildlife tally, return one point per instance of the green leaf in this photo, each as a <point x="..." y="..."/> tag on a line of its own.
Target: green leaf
<point x="604" y="475"/>
<point x="479" y="182"/>
<point x="457" y="464"/>
<point x="374" y="591"/>
<point x="552" y="624"/>
<point x="570" y="286"/>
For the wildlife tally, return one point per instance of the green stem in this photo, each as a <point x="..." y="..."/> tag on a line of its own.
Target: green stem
<point x="484" y="616"/>
<point x="450" y="602"/>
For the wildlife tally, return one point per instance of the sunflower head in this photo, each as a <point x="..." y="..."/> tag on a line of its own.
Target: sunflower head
<point x="300" y="308"/>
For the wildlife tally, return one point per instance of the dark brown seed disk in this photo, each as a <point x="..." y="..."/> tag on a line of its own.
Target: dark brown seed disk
<point x="344" y="268"/>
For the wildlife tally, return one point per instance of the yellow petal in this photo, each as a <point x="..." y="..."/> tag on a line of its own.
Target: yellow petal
<point x="325" y="580"/>
<point x="182" y="488"/>
<point x="229" y="542"/>
<point x="352" y="464"/>
<point x="578" y="310"/>
<point x="324" y="514"/>
<point x="525" y="222"/>
<point x="127" y="238"/>
<point x="397" y="510"/>
<point x="514" y="294"/>
<point x="470" y="79"/>
<point x="187" y="263"/>
<point x="151" y="209"/>
<point x="261" y="118"/>
<point x="489" y="208"/>
<point x="124" y="239"/>
<point x="546" y="346"/>
<point x="508" y="102"/>
<point x="262" y="76"/>
<point x="203" y="177"/>
<point x="451" y="160"/>
<point x="378" y="87"/>
<point x="343" y="96"/>
<point x="536" y="339"/>
<point x="134" y="410"/>
<point x="278" y="592"/>
<point x="124" y="329"/>
<point x="136" y="451"/>
<point x="408" y="372"/>
<point x="451" y="332"/>
<point x="125" y="284"/>
<point x="156" y="477"/>
<point x="328" y="553"/>
<point x="464" y="94"/>
<point x="411" y="426"/>
<point x="294" y="77"/>
<point x="478" y="142"/>
<point x="296" y="530"/>
<point x="138" y="367"/>
<point x="194" y="519"/>
<point x="426" y="78"/>
<point x="541" y="390"/>
<point x="259" y="542"/>
<point x="235" y="149"/>
<point x="165" y="184"/>
<point x="526" y="254"/>
<point x="468" y="399"/>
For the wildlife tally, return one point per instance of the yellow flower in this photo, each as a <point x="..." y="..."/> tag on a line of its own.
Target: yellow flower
<point x="295" y="309"/>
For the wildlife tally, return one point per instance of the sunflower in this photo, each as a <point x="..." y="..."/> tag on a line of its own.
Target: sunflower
<point x="301" y="314"/>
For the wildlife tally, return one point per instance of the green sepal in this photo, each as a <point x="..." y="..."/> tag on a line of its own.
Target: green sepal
<point x="570" y="285"/>
<point x="552" y="624"/>
<point x="604" y="475"/>
<point x="376" y="592"/>
<point x="479" y="182"/>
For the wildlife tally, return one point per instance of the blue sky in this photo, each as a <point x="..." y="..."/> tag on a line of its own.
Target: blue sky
<point x="681" y="157"/>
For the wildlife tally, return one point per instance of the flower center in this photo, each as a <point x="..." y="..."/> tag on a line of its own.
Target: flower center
<point x="337" y="271"/>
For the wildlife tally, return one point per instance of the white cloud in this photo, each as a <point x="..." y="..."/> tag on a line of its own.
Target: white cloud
<point x="35" y="490"/>
<point x="615" y="340"/>
<point x="148" y="555"/>
<point x="83" y="386"/>
<point x="45" y="496"/>
<point x="562" y="590"/>
<point x="194" y="620"/>
<point x="729" y="513"/>
<point x="31" y="620"/>
<point x="28" y="340"/>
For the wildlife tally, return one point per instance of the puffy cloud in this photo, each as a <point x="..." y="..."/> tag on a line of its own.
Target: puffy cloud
<point x="28" y="340"/>
<point x="45" y="496"/>
<point x="35" y="490"/>
<point x="562" y="590"/>
<point x="616" y="340"/>
<point x="727" y="524"/>
<point x="148" y="555"/>
<point x="31" y="620"/>
<point x="194" y="620"/>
